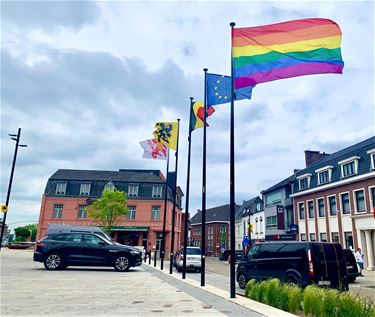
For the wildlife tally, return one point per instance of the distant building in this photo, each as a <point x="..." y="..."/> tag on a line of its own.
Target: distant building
<point x="217" y="229"/>
<point x="250" y="210"/>
<point x="334" y="199"/>
<point x="68" y="192"/>
<point x="6" y="233"/>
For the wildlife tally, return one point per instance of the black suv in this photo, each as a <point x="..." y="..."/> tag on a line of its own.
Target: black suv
<point x="299" y="263"/>
<point x="351" y="265"/>
<point x="59" y="250"/>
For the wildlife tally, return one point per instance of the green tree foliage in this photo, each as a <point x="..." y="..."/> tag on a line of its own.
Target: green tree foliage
<point x="24" y="232"/>
<point x="108" y="210"/>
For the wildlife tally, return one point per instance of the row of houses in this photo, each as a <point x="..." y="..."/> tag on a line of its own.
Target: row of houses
<point x="332" y="199"/>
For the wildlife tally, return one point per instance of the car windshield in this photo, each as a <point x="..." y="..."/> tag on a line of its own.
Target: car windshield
<point x="193" y="251"/>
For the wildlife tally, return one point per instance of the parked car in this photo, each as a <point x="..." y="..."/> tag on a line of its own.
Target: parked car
<point x="193" y="259"/>
<point x="59" y="250"/>
<point x="300" y="263"/>
<point x="351" y="265"/>
<point x="225" y="255"/>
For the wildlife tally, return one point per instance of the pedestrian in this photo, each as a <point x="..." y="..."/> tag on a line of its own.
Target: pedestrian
<point x="359" y="257"/>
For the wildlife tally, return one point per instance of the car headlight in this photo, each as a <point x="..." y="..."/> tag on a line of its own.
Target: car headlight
<point x="135" y="252"/>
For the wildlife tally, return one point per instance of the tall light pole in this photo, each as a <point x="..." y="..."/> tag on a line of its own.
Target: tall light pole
<point x="14" y="137"/>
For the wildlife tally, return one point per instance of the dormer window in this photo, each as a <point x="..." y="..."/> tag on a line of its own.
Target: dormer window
<point x="324" y="174"/>
<point x="372" y="155"/>
<point x="157" y="191"/>
<point x="85" y="189"/>
<point x="133" y="191"/>
<point x="60" y="188"/>
<point x="109" y="186"/>
<point x="304" y="181"/>
<point x="349" y="167"/>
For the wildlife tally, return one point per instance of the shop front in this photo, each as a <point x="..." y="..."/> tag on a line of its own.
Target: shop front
<point x="131" y="235"/>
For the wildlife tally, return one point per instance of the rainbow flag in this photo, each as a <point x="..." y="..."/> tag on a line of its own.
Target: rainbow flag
<point x="284" y="50"/>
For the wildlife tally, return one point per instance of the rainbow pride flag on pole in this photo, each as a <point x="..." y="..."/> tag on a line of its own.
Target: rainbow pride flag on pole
<point x="284" y="50"/>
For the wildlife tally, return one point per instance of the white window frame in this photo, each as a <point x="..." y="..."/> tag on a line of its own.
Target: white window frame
<point x="304" y="211"/>
<point x="372" y="155"/>
<point x="85" y="189"/>
<point x="317" y="207"/>
<point x="303" y="234"/>
<point x="322" y="170"/>
<point x="154" y="209"/>
<point x="329" y="206"/>
<point x="272" y="226"/>
<point x="82" y="212"/>
<point x="310" y="234"/>
<point x="351" y="159"/>
<point x="342" y="206"/>
<point x="133" y="190"/>
<point x="372" y="202"/>
<point x="132" y="212"/>
<point x="59" y="211"/>
<point x="61" y="188"/>
<point x="308" y="209"/>
<point x="355" y="200"/>
<point x="308" y="176"/>
<point x="157" y="191"/>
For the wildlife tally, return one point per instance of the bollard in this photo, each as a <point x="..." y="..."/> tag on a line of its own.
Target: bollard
<point x="155" y="254"/>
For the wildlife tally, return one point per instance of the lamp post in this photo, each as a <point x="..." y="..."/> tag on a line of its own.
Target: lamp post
<point x="14" y="137"/>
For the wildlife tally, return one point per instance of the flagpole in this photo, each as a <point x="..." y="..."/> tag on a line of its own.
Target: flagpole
<point x="203" y="236"/>
<point x="232" y="181"/>
<point x="174" y="203"/>
<point x="165" y="215"/>
<point x="187" y="194"/>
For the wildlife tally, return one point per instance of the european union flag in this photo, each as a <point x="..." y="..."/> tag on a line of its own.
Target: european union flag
<point x="219" y="90"/>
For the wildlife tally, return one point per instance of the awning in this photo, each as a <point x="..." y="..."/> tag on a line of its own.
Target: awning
<point x="130" y="228"/>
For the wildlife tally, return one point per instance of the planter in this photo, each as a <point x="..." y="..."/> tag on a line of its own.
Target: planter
<point x="19" y="246"/>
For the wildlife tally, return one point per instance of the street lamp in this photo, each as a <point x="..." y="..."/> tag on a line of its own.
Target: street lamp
<point x="14" y="137"/>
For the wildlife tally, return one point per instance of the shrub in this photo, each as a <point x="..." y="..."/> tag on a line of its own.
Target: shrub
<point x="283" y="298"/>
<point x="272" y="292"/>
<point x="262" y="291"/>
<point x="250" y="284"/>
<point x="312" y="300"/>
<point x="294" y="297"/>
<point x="254" y="292"/>
<point x="348" y="305"/>
<point x="329" y="304"/>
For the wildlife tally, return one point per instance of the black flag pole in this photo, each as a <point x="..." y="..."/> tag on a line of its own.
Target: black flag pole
<point x="232" y="181"/>
<point x="162" y="255"/>
<point x="174" y="203"/>
<point x="187" y="194"/>
<point x="203" y="237"/>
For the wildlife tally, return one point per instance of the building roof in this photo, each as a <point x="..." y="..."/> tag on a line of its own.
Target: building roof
<point x="249" y="204"/>
<point x="216" y="214"/>
<point x="283" y="183"/>
<point x="128" y="175"/>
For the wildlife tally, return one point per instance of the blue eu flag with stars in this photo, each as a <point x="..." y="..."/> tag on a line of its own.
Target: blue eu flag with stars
<point x="219" y="90"/>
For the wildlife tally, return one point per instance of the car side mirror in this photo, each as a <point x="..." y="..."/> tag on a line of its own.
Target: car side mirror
<point x="101" y="243"/>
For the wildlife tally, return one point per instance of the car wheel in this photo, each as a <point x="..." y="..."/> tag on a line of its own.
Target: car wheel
<point x="241" y="280"/>
<point x="53" y="261"/>
<point x="122" y="263"/>
<point x="292" y="280"/>
<point x="352" y="279"/>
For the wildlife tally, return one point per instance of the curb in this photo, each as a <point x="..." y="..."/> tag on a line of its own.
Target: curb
<point x="248" y="303"/>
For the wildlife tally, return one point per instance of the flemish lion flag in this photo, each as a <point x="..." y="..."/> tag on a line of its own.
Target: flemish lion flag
<point x="154" y="150"/>
<point x="166" y="133"/>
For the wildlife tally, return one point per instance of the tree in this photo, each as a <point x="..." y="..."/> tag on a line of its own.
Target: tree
<point x="22" y="233"/>
<point x="108" y="209"/>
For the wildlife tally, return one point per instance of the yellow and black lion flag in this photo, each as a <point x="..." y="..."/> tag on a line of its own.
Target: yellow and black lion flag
<point x="166" y="133"/>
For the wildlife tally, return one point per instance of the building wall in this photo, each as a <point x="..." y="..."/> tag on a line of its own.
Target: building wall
<point x="215" y="249"/>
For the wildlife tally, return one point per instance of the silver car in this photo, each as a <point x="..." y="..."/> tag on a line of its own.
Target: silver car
<point x="193" y="259"/>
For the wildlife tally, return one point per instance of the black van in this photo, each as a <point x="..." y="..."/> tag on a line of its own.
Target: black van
<point x="300" y="263"/>
<point x="351" y="265"/>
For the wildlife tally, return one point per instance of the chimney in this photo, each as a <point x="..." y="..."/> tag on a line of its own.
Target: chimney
<point x="313" y="156"/>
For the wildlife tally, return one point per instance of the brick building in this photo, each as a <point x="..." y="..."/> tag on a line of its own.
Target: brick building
<point x="68" y="192"/>
<point x="334" y="199"/>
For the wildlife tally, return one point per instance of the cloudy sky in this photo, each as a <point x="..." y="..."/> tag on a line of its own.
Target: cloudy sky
<point x="86" y="81"/>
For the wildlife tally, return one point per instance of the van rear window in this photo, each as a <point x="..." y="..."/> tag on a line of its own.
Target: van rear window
<point x="193" y="251"/>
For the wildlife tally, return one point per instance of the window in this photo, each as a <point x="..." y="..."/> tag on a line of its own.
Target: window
<point x="349" y="166"/>
<point x="372" y="192"/>
<point x="157" y="191"/>
<point x="323" y="177"/>
<point x="91" y="239"/>
<point x="321" y="210"/>
<point x="301" y="208"/>
<point x="312" y="237"/>
<point x="109" y="186"/>
<point x="60" y="188"/>
<point x="133" y="190"/>
<point x="155" y="213"/>
<point x="335" y="237"/>
<point x="85" y="189"/>
<point x="271" y="222"/>
<point x="360" y="200"/>
<point x="324" y="174"/>
<point x="273" y="198"/>
<point x="323" y="237"/>
<point x="57" y="211"/>
<point x="131" y="212"/>
<point x="82" y="214"/>
<point x="332" y="205"/>
<point x="345" y="204"/>
<point x="310" y="208"/>
<point x="303" y="236"/>
<point x="304" y="181"/>
<point x="258" y="206"/>
<point x="372" y="155"/>
<point x="348" y="240"/>
<point x="260" y="224"/>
